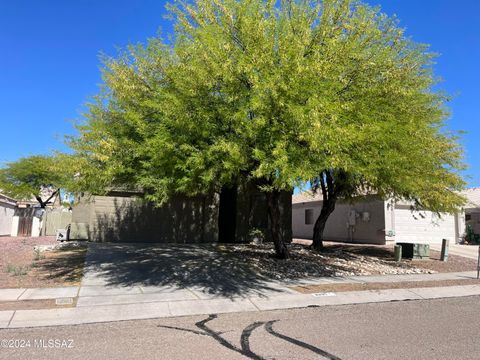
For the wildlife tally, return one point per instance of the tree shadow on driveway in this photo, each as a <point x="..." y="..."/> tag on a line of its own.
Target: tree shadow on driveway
<point x="214" y="269"/>
<point x="201" y="267"/>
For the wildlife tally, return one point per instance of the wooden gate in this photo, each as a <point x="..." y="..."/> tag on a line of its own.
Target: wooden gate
<point x="25" y="220"/>
<point x="25" y="226"/>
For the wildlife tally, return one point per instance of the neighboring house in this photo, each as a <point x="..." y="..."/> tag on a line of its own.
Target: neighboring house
<point x="33" y="221"/>
<point x="472" y="209"/>
<point x="374" y="221"/>
<point x="124" y="217"/>
<point x="29" y="220"/>
<point x="7" y="209"/>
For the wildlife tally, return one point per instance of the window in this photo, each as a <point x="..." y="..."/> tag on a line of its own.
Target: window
<point x="468" y="217"/>
<point x="308" y="216"/>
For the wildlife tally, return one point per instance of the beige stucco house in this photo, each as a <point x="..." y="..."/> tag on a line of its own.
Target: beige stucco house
<point x="7" y="209"/>
<point x="123" y="216"/>
<point x="472" y="209"/>
<point x="375" y="221"/>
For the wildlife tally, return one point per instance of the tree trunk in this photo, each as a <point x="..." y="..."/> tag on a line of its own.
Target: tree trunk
<point x="328" y="206"/>
<point x="281" y="249"/>
<point x="330" y="190"/>
<point x="43" y="204"/>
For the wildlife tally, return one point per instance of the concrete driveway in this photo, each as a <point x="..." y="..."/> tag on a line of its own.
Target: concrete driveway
<point x="132" y="273"/>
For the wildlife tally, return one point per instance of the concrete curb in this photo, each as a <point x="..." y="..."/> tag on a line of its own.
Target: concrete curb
<point x="383" y="278"/>
<point x="108" y="313"/>
<point x="99" y="287"/>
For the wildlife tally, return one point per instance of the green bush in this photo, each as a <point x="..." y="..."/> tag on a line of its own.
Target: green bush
<point x="477" y="239"/>
<point x="470" y="235"/>
<point x="17" y="270"/>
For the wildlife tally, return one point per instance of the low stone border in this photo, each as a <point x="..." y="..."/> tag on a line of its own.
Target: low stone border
<point x="61" y="246"/>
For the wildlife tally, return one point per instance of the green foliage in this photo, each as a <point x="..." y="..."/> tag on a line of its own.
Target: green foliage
<point x="25" y="178"/>
<point x="17" y="270"/>
<point x="256" y="233"/>
<point x="276" y="92"/>
<point x="470" y="235"/>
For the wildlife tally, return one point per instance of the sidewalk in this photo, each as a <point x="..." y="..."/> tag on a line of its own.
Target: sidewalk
<point x="100" y="303"/>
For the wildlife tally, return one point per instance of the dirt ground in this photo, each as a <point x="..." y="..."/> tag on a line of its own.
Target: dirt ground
<point x="308" y="289"/>
<point x="454" y="264"/>
<point x="21" y="266"/>
<point x="34" y="304"/>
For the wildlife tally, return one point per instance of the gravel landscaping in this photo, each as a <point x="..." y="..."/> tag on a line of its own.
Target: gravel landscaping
<point x="341" y="260"/>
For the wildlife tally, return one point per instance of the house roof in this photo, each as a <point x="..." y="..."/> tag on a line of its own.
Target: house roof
<point x="7" y="199"/>
<point x="473" y="197"/>
<point x="306" y="196"/>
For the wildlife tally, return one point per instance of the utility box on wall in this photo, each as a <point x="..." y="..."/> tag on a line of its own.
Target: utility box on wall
<point x="415" y="251"/>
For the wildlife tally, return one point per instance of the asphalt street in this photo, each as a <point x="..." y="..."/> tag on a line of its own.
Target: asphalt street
<point x="430" y="329"/>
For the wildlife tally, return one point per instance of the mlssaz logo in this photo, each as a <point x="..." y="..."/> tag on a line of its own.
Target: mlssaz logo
<point x="53" y="343"/>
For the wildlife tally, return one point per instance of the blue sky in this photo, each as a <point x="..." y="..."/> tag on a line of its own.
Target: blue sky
<point x="49" y="65"/>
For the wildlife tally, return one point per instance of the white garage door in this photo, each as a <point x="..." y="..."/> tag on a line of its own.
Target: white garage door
<point x="423" y="227"/>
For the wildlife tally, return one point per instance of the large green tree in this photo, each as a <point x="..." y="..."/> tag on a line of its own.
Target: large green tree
<point x="30" y="176"/>
<point x="278" y="93"/>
